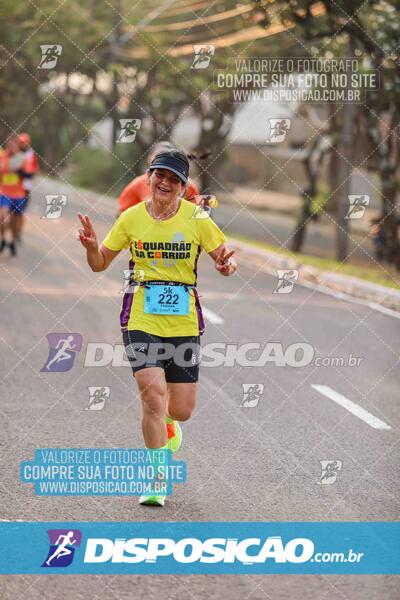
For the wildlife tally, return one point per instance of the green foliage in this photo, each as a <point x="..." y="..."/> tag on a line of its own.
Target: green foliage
<point x="102" y="171"/>
<point x="320" y="199"/>
<point x="112" y="65"/>
<point x="373" y="273"/>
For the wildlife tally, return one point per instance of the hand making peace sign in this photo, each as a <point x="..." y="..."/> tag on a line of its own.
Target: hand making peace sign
<point x="224" y="265"/>
<point x="86" y="234"/>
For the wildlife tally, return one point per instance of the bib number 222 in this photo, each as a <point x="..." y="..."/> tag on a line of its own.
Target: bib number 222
<point x="166" y="300"/>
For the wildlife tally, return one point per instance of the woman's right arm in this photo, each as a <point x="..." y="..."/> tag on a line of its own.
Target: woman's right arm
<point x="98" y="258"/>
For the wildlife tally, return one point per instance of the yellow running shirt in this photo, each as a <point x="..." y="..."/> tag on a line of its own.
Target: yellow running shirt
<point x="163" y="251"/>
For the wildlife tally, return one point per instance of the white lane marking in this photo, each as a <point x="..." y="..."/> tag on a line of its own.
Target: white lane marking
<point x="352" y="299"/>
<point x="352" y="407"/>
<point x="212" y="316"/>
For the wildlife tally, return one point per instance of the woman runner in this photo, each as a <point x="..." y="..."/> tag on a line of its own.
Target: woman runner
<point x="161" y="322"/>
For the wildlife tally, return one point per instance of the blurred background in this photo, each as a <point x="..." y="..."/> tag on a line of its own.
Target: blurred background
<point x="307" y="192"/>
<point x="70" y="73"/>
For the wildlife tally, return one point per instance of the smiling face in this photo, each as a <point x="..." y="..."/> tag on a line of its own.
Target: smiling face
<point x="165" y="186"/>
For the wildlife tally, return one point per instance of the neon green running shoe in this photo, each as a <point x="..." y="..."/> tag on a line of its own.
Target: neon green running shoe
<point x="152" y="500"/>
<point x="174" y="432"/>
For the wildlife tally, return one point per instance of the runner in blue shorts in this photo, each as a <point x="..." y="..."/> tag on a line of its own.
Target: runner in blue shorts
<point x="12" y="192"/>
<point x="17" y="205"/>
<point x="4" y="219"/>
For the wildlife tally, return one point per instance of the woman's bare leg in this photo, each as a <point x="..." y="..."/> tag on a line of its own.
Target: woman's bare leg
<point x="153" y="393"/>
<point x="181" y="400"/>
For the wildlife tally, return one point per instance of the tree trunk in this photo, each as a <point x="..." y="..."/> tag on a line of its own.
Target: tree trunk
<point x="312" y="165"/>
<point x="305" y="213"/>
<point x="390" y="220"/>
<point x="345" y="170"/>
<point x="333" y="168"/>
<point x="301" y="226"/>
<point x="387" y="154"/>
<point x="116" y="50"/>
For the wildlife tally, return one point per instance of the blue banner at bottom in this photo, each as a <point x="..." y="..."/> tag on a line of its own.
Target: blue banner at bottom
<point x="199" y="548"/>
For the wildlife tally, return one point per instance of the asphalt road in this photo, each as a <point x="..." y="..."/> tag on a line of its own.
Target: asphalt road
<point x="251" y="464"/>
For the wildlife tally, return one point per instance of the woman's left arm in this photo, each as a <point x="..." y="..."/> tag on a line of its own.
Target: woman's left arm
<point x="223" y="259"/>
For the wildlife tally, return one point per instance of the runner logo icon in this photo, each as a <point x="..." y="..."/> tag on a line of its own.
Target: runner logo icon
<point x="62" y="351"/>
<point x="278" y="130"/>
<point x="329" y="471"/>
<point x="251" y="394"/>
<point x="129" y="129"/>
<point x="54" y="206"/>
<point x="50" y="55"/>
<point x="130" y="276"/>
<point x="357" y="206"/>
<point x="200" y="212"/>
<point x="97" y="397"/>
<point x="202" y="56"/>
<point x="62" y="547"/>
<point x="286" y="280"/>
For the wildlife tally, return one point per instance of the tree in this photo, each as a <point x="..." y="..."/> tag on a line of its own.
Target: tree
<point x="373" y="27"/>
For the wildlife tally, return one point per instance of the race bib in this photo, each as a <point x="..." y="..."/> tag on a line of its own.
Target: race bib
<point x="10" y="178"/>
<point x="166" y="299"/>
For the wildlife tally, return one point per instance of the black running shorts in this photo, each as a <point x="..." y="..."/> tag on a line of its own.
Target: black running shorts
<point x="178" y="356"/>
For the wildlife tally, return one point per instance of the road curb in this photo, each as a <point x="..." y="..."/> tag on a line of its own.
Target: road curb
<point x="358" y="227"/>
<point x="268" y="262"/>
